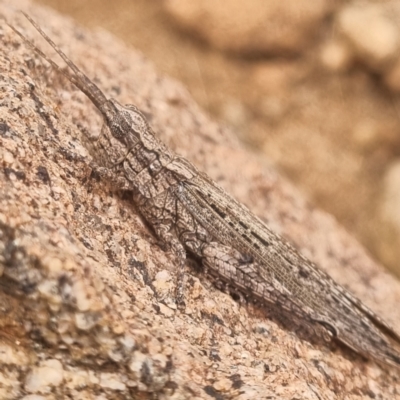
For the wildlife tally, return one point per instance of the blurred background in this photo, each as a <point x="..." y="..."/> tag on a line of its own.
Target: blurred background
<point x="312" y="85"/>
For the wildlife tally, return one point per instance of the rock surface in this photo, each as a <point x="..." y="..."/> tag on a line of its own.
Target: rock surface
<point x="85" y="291"/>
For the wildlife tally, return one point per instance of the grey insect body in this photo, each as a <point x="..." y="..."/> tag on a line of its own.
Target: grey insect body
<point x="191" y="213"/>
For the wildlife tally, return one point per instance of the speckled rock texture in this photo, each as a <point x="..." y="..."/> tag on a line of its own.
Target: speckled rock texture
<point x="86" y="292"/>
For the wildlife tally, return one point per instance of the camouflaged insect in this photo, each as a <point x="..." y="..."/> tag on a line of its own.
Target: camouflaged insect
<point x="192" y="214"/>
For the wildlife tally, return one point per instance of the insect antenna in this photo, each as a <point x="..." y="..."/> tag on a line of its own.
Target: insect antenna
<point x="78" y="78"/>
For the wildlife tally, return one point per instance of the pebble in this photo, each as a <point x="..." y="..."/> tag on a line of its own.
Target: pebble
<point x="223" y="385"/>
<point x="336" y="55"/>
<point x="138" y="359"/>
<point x="86" y="321"/>
<point x="374" y="36"/>
<point x="261" y="27"/>
<point x="111" y="381"/>
<point x="40" y="379"/>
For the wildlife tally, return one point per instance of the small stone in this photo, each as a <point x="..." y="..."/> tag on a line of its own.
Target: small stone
<point x="76" y="378"/>
<point x="138" y="360"/>
<point x="7" y="157"/>
<point x="197" y="333"/>
<point x="166" y="311"/>
<point x="111" y="381"/>
<point x="210" y="306"/>
<point x="53" y="264"/>
<point x="262" y="329"/>
<point x="128" y="342"/>
<point x="154" y="346"/>
<point x="168" y="351"/>
<point x="158" y="375"/>
<point x="116" y="355"/>
<point x="163" y="283"/>
<point x="41" y="379"/>
<point x="50" y="336"/>
<point x="86" y="321"/>
<point x="223" y="385"/>
<point x="374" y="36"/>
<point x="225" y="349"/>
<point x="197" y="290"/>
<point x="98" y="284"/>
<point x="118" y="328"/>
<point x="50" y="290"/>
<point x="83" y="301"/>
<point x="262" y="27"/>
<point x="163" y="276"/>
<point x="12" y="356"/>
<point x="336" y="55"/>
